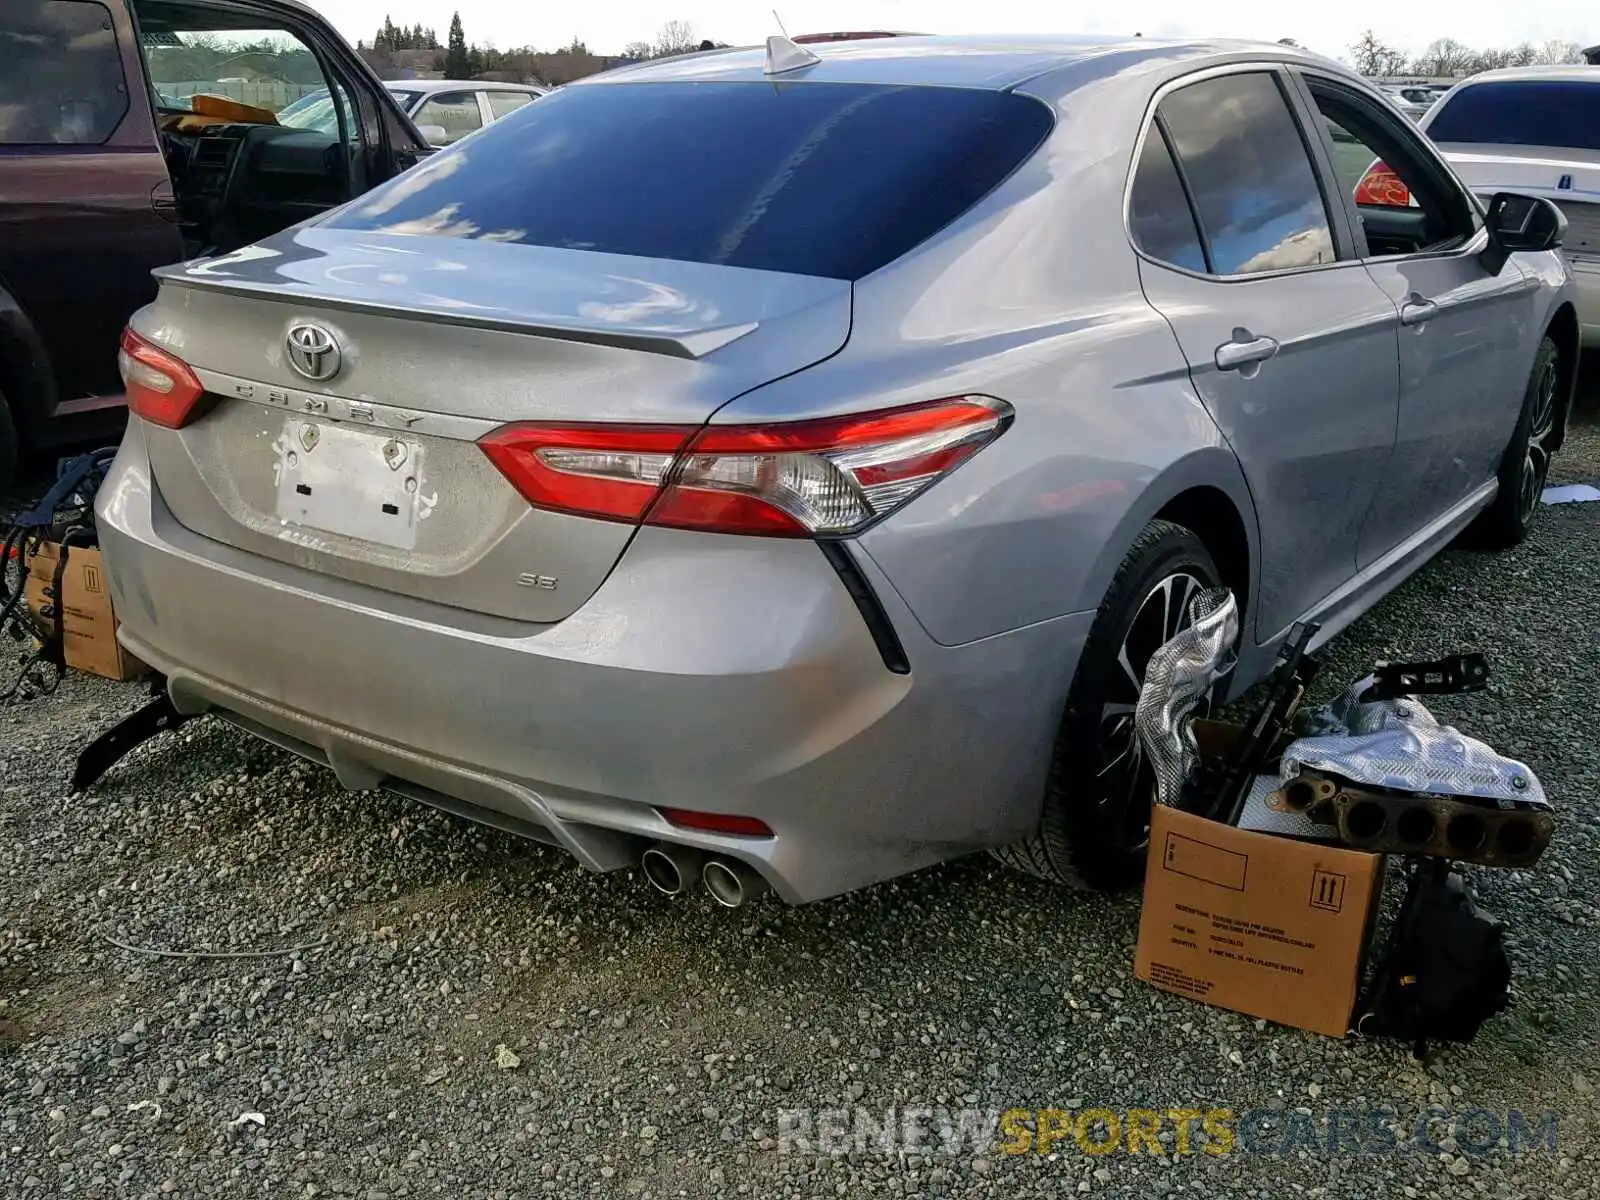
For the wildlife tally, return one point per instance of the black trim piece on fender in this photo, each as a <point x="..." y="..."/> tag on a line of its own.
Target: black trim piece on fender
<point x="867" y="603"/>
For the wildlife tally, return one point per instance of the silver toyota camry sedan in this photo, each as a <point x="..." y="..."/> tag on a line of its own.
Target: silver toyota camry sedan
<point x="778" y="465"/>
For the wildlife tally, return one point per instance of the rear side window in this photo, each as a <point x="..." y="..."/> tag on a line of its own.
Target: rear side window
<point x="1537" y="112"/>
<point x="1159" y="212"/>
<point x="1254" y="188"/>
<point x="504" y="103"/>
<point x="826" y="179"/>
<point x="61" y="81"/>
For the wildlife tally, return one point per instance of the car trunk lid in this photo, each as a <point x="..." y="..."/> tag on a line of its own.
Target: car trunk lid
<point x="371" y="472"/>
<point x="1568" y="177"/>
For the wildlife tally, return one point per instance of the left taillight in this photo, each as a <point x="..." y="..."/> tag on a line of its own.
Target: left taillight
<point x="796" y="479"/>
<point x="1382" y="188"/>
<point x="160" y="386"/>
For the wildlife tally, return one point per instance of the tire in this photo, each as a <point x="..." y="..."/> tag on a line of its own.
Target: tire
<point x="8" y="444"/>
<point x="1095" y="825"/>
<point x="1526" y="462"/>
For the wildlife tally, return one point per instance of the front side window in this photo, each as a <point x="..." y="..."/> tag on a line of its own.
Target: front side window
<point x="1405" y="205"/>
<point x="61" y="80"/>
<point x="1255" y="190"/>
<point x="1534" y="112"/>
<point x="194" y="51"/>
<point x="456" y="113"/>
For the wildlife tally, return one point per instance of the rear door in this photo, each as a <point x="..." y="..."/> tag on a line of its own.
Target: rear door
<point x="85" y="200"/>
<point x="1290" y="344"/>
<point x="1461" y="373"/>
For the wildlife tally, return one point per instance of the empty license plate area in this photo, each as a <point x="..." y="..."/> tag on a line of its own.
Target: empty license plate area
<point x="352" y="482"/>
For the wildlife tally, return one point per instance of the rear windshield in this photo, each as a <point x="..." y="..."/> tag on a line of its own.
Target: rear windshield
<point x="826" y="179"/>
<point x="1546" y="112"/>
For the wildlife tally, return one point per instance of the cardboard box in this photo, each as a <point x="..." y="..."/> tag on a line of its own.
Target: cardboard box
<point x="1263" y="925"/>
<point x="89" y="623"/>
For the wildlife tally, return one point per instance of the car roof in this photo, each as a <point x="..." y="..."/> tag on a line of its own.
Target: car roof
<point x="1567" y="72"/>
<point x="951" y="61"/>
<point x="456" y="85"/>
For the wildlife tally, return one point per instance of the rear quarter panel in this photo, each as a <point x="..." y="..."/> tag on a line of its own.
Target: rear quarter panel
<point x="1033" y="297"/>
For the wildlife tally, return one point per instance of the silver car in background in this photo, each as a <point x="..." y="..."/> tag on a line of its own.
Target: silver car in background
<point x="789" y="461"/>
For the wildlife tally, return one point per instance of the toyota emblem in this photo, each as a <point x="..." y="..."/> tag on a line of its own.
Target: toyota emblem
<point x="313" y="352"/>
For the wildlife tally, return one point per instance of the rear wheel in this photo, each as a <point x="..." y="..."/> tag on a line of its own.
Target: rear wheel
<point x="1095" y="826"/>
<point x="1526" y="463"/>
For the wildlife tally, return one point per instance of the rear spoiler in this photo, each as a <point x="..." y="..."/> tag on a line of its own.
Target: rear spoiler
<point x="688" y="345"/>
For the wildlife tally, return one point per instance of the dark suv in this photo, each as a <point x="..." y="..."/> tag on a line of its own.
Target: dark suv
<point x="135" y="133"/>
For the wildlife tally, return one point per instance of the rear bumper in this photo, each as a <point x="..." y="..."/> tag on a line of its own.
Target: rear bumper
<point x="708" y="672"/>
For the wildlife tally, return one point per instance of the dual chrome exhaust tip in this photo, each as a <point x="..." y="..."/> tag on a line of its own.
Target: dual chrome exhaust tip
<point x="672" y="870"/>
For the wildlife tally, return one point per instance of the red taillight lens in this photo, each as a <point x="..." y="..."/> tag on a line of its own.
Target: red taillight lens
<point x="798" y="479"/>
<point x="160" y="386"/>
<point x="685" y="818"/>
<point x="611" y="471"/>
<point x="1382" y="187"/>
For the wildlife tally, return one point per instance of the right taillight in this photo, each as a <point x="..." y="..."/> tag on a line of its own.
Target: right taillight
<point x="160" y="386"/>
<point x="795" y="479"/>
<point x="1382" y="187"/>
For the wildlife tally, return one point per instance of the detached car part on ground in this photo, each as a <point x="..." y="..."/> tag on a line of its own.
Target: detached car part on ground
<point x="625" y="476"/>
<point x="1376" y="771"/>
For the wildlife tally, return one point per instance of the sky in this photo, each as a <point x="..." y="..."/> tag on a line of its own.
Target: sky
<point x="605" y="26"/>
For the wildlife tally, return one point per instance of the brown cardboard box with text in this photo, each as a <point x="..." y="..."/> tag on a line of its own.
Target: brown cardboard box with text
<point x="1262" y="925"/>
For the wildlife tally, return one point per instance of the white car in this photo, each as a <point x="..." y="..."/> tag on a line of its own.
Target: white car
<point x="444" y="110"/>
<point x="456" y="108"/>
<point x="1534" y="130"/>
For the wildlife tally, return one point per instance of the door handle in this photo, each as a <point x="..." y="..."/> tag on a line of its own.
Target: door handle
<point x="163" y="202"/>
<point x="1417" y="311"/>
<point x="1244" y="351"/>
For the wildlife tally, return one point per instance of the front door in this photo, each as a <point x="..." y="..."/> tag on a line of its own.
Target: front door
<point x="1461" y="381"/>
<point x="1290" y="343"/>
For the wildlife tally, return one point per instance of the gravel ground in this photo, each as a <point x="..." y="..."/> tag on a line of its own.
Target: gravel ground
<point x="476" y="1016"/>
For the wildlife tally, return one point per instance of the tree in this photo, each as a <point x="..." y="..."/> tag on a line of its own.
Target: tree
<point x="675" y="37"/>
<point x="1372" y="57"/>
<point x="638" y="51"/>
<point x="1445" y="57"/>
<point x="1559" y="50"/>
<point x="456" y="63"/>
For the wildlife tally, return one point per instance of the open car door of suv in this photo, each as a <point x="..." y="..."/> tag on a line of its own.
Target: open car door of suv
<point x="222" y="72"/>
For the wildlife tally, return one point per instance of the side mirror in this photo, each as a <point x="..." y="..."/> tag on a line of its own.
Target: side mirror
<point x="434" y="135"/>
<point x="1521" y="223"/>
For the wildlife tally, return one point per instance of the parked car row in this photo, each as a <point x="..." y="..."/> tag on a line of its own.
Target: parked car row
<point x="797" y="479"/>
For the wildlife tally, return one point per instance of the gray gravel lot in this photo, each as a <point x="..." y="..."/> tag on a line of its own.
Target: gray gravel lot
<point x="479" y="1017"/>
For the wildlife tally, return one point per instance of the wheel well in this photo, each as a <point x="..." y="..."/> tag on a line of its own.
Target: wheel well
<point x="1210" y="515"/>
<point x="1563" y="330"/>
<point x="27" y="383"/>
